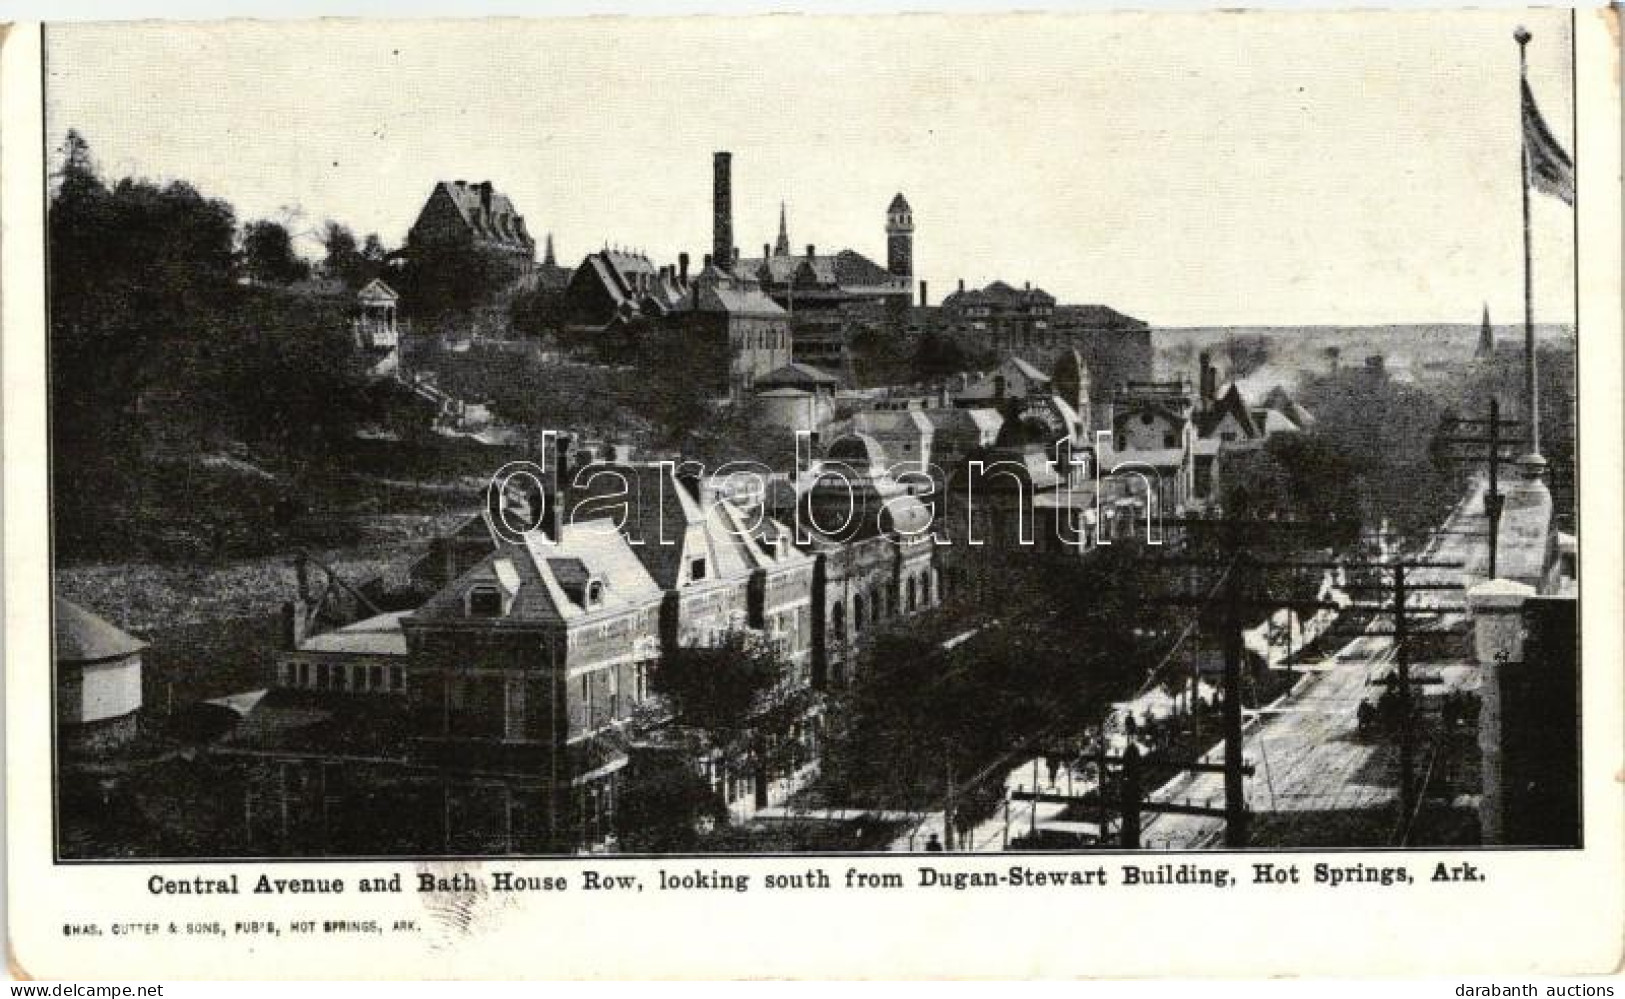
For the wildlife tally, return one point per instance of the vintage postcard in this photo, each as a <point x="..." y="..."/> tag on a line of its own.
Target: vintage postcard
<point x="795" y="496"/>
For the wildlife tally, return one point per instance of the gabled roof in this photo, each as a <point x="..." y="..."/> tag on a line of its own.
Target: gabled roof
<point x="1028" y="371"/>
<point x="986" y="387"/>
<point x="1276" y="422"/>
<point x="893" y="421"/>
<point x="1232" y="404"/>
<point x="899" y="204"/>
<point x="736" y="301"/>
<point x="798" y="375"/>
<point x="1280" y="400"/>
<point x="82" y="637"/>
<point x="377" y="291"/>
<point x="1140" y="407"/>
<point x="375" y="636"/>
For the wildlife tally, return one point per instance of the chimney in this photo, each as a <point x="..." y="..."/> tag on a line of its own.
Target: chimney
<point x="722" y="213"/>
<point x="811" y="251"/>
<point x="301" y="570"/>
<point x="767" y="250"/>
<point x="682" y="267"/>
<point x="485" y="195"/>
<point x="1209" y="379"/>
<point x="707" y="264"/>
<point x="555" y="501"/>
<point x="734" y="261"/>
<point x="925" y="299"/>
<point x="295" y="622"/>
<point x="961" y="286"/>
<point x="1026" y="286"/>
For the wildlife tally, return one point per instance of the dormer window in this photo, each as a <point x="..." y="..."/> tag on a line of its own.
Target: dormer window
<point x="595" y="592"/>
<point x="485" y="601"/>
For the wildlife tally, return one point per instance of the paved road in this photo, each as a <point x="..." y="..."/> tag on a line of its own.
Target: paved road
<point x="1304" y="748"/>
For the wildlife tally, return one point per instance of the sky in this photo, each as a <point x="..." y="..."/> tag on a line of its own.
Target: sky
<point x="1185" y="168"/>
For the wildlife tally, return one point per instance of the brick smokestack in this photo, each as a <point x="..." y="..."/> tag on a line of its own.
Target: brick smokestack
<point x="722" y="212"/>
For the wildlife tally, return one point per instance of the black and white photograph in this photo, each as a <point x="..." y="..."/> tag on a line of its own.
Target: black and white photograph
<point x="689" y="494"/>
<point x="524" y="439"/>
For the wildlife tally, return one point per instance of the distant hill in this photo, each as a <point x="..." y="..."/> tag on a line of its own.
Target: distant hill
<point x="1291" y="348"/>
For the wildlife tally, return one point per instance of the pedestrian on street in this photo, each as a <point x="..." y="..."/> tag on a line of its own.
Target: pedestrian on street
<point x="933" y="845"/>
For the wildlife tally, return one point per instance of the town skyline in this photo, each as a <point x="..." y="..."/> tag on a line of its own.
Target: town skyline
<point x="1150" y="220"/>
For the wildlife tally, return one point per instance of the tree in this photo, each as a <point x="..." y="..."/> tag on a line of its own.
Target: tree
<point x="343" y="260"/>
<point x="666" y="806"/>
<point x="939" y="356"/>
<point x="737" y="701"/>
<point x="76" y="179"/>
<point x="268" y="255"/>
<point x="1248" y="354"/>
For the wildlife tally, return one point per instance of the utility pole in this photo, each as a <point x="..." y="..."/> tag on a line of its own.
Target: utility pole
<point x="1494" y="439"/>
<point x="1131" y="796"/>
<point x="1402" y="589"/>
<point x="1407" y="730"/>
<point x="1235" y="793"/>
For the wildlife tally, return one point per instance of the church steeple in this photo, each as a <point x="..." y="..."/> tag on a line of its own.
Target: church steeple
<point x="782" y="247"/>
<point x="1486" y="338"/>
<point x="547" y="255"/>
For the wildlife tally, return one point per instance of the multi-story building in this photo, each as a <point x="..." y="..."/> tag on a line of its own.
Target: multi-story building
<point x="731" y="310"/>
<point x="1009" y="318"/>
<point x="1154" y="433"/>
<point x="541" y="649"/>
<point x="832" y="298"/>
<point x="536" y="658"/>
<point x="875" y="549"/>
<point x="462" y="217"/>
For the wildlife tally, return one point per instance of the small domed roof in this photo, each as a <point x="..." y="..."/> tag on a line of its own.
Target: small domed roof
<point x="82" y="637"/>
<point x="905" y="514"/>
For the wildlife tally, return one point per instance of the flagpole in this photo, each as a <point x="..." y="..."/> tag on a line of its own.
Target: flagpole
<point x="1530" y="389"/>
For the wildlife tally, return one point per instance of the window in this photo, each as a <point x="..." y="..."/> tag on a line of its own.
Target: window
<point x="485" y="601"/>
<point x="324" y="676"/>
<point x="1146" y="418"/>
<point x="614" y="692"/>
<point x="1228" y="435"/>
<point x="857" y="613"/>
<point x="397" y="678"/>
<point x="1167" y="440"/>
<point x="696" y="570"/>
<point x="595" y="592"/>
<point x="375" y="678"/>
<point x="304" y="674"/>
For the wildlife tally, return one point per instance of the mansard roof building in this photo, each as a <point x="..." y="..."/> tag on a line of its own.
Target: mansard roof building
<point x="458" y="214"/>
